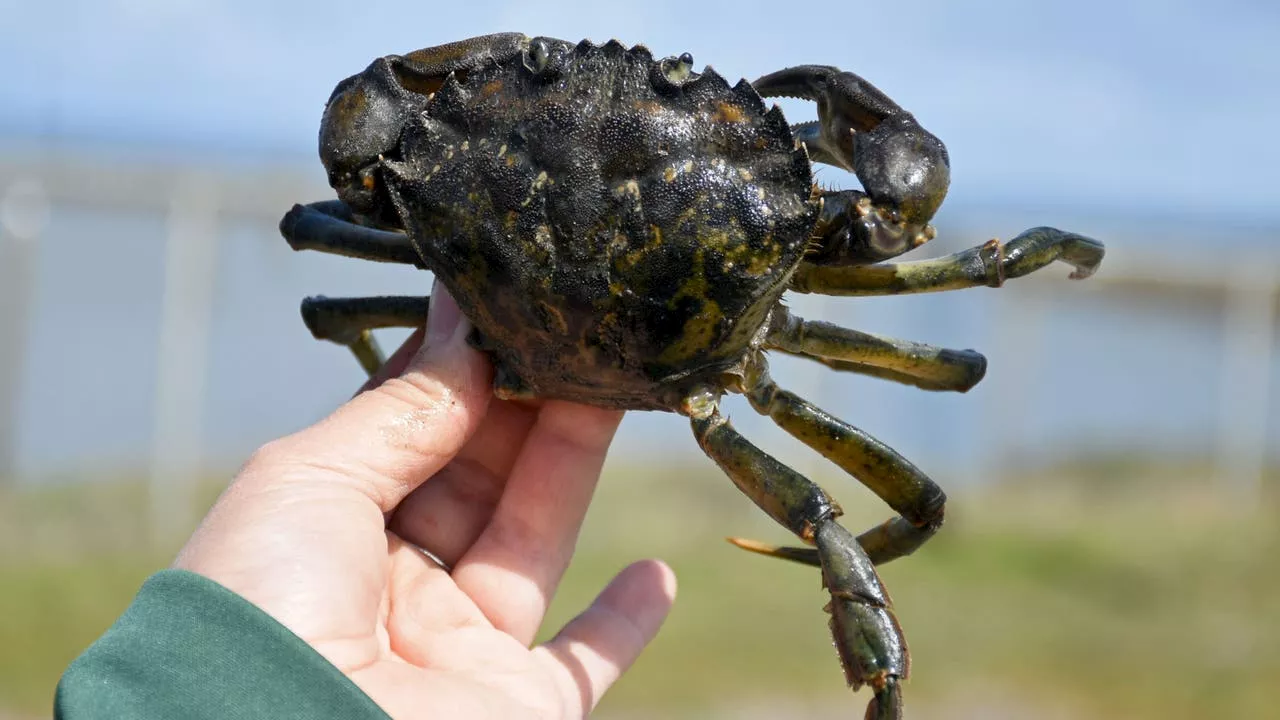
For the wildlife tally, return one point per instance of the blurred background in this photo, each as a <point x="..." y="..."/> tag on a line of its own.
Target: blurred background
<point x="1111" y="542"/>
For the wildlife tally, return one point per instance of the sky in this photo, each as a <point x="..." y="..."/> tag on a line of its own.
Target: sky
<point x="1125" y="103"/>
<point x="1126" y="109"/>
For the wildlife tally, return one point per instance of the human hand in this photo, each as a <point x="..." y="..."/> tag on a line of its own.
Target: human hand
<point x="323" y="531"/>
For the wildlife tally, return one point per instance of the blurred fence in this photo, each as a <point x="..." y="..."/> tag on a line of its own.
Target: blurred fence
<point x="198" y="203"/>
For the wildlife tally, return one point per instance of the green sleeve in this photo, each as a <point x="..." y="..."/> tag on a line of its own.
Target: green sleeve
<point x="189" y="648"/>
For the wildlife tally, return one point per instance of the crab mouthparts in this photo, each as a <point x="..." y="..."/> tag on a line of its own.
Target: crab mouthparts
<point x="886" y="234"/>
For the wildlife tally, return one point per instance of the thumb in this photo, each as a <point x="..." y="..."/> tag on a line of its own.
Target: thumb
<point x="389" y="439"/>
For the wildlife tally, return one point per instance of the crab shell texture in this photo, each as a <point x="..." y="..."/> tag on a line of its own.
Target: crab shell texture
<point x="617" y="232"/>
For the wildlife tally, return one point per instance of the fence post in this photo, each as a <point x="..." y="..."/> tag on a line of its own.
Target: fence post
<point x="1245" y="393"/>
<point x="182" y="359"/>
<point x="24" y="215"/>
<point x="1016" y="358"/>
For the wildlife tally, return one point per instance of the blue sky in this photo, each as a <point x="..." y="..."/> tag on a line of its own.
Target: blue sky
<point x="1127" y="103"/>
<point x="1054" y="112"/>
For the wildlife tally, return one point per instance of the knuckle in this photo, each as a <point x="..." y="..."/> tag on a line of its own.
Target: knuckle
<point x="271" y="454"/>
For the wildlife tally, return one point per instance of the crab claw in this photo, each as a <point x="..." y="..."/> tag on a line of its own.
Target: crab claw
<point x="366" y="113"/>
<point x="854" y="230"/>
<point x="362" y="122"/>
<point x="903" y="168"/>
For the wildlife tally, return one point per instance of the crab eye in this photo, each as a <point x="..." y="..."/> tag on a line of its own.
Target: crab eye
<point x="540" y="54"/>
<point x="678" y="71"/>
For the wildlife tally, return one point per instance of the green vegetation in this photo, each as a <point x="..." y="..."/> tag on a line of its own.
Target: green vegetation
<point x="1065" y="596"/>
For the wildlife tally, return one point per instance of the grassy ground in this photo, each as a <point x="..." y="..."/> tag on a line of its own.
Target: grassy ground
<point x="1062" y="597"/>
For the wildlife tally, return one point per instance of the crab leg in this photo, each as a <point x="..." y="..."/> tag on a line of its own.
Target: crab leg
<point x="918" y="500"/>
<point x="989" y="264"/>
<point x="348" y="321"/>
<point x="867" y="636"/>
<point x="330" y="227"/>
<point x="923" y="366"/>
<point x="903" y="168"/>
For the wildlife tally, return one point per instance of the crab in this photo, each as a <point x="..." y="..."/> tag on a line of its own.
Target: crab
<point x="620" y="230"/>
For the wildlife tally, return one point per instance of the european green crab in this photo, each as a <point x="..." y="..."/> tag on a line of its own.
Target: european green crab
<point x="620" y="230"/>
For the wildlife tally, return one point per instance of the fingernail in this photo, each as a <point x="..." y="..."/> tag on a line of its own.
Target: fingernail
<point x="443" y="317"/>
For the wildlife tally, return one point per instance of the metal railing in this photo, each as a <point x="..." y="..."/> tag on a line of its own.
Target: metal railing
<point x="196" y="201"/>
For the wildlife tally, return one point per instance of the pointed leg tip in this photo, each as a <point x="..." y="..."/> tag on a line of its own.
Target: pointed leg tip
<point x="752" y="545"/>
<point x="1082" y="271"/>
<point x="757" y="547"/>
<point x="804" y="556"/>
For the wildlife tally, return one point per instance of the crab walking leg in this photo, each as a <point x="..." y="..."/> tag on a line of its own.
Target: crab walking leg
<point x="348" y="321"/>
<point x="989" y="264"/>
<point x="330" y="227"/>
<point x="924" y="366"/>
<point x="917" y="499"/>
<point x="867" y="636"/>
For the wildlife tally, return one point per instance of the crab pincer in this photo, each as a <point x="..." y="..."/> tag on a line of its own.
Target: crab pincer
<point x="904" y="169"/>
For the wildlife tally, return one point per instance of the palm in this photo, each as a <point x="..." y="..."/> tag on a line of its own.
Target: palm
<point x="324" y="530"/>
<point x="433" y="653"/>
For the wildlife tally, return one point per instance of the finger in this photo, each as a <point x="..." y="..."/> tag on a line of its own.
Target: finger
<point x="388" y="440"/>
<point x="515" y="565"/>
<point x="398" y="362"/>
<point x="589" y="654"/>
<point x="424" y="604"/>
<point x="446" y="515"/>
